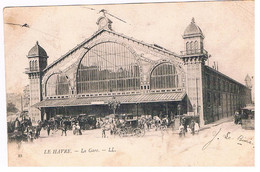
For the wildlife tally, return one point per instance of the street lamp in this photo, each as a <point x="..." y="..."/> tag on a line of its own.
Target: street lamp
<point x="194" y="109"/>
<point x="179" y="109"/>
<point x="114" y="104"/>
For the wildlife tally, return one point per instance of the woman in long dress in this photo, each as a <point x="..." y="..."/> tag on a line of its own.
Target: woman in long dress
<point x="196" y="127"/>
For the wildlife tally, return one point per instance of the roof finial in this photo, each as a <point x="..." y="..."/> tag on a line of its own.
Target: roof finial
<point x="103" y="11"/>
<point x="37" y="43"/>
<point x="193" y="20"/>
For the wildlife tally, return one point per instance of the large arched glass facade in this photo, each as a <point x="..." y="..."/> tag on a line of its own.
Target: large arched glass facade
<point x="57" y="84"/>
<point x="108" y="67"/>
<point x="164" y="76"/>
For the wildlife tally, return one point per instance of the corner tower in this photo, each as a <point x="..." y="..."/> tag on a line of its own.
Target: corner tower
<point x="194" y="57"/>
<point x="37" y="58"/>
<point x="248" y="81"/>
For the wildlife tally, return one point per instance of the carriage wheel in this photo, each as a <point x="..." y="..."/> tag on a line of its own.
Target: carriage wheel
<point x="138" y="132"/>
<point x="122" y="133"/>
<point x="143" y="132"/>
<point x="163" y="128"/>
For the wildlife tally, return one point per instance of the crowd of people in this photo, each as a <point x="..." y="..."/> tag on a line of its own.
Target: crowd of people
<point x="192" y="127"/>
<point x="106" y="124"/>
<point x="62" y="124"/>
<point x="146" y="123"/>
<point x="113" y="125"/>
<point x="21" y="129"/>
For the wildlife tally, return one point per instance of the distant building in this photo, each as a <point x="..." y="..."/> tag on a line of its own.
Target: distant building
<point x="15" y="99"/>
<point x="26" y="98"/>
<point x="250" y="84"/>
<point x="146" y="79"/>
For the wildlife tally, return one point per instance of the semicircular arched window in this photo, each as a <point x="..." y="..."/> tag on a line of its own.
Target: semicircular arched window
<point x="164" y="76"/>
<point x="196" y="47"/>
<point x="57" y="84"/>
<point x="108" y="67"/>
<point x="187" y="47"/>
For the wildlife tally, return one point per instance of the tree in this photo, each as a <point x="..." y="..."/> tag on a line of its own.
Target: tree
<point x="11" y="108"/>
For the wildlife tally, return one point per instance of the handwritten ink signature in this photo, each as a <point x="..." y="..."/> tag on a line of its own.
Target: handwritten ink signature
<point x="241" y="138"/>
<point x="227" y="136"/>
<point x="208" y="143"/>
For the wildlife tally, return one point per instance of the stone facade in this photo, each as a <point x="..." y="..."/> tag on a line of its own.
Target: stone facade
<point x="190" y="68"/>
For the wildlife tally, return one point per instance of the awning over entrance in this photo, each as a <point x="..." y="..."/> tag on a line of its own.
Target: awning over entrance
<point x="125" y="99"/>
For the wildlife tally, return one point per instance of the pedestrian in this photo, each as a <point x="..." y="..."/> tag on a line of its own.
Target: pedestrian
<point x="38" y="129"/>
<point x="74" y="130"/>
<point x="173" y="123"/>
<point x="17" y="124"/>
<point x="29" y="133"/>
<point x="192" y="127"/>
<point x="236" y="116"/>
<point x="48" y="128"/>
<point x="103" y="129"/>
<point x="78" y="129"/>
<point x="188" y="129"/>
<point x="64" y="129"/>
<point x="112" y="128"/>
<point x="181" y="131"/>
<point x="196" y="128"/>
<point x="184" y="123"/>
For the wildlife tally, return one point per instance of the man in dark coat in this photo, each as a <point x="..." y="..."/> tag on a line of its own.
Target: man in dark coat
<point x="64" y="129"/>
<point x="192" y="127"/>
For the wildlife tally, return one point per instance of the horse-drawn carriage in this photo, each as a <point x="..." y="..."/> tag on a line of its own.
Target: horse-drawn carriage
<point x="131" y="127"/>
<point x="248" y="117"/>
<point x="21" y="130"/>
<point x="87" y="122"/>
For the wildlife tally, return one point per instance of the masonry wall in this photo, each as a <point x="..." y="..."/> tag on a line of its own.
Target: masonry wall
<point x="222" y="96"/>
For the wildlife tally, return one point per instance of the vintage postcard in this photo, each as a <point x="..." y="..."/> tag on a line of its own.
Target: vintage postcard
<point x="152" y="84"/>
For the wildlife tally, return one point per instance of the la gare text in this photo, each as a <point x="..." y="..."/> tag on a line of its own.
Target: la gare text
<point x="82" y="150"/>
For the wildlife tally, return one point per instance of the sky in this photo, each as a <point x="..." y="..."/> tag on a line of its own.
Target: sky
<point x="228" y="28"/>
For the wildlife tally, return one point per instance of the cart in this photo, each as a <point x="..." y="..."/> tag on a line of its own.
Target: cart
<point x="131" y="128"/>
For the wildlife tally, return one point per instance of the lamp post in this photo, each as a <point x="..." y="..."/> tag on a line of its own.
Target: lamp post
<point x="179" y="109"/>
<point x="114" y="104"/>
<point x="194" y="109"/>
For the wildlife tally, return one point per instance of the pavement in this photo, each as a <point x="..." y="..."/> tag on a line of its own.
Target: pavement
<point x="220" y="144"/>
<point x="216" y="123"/>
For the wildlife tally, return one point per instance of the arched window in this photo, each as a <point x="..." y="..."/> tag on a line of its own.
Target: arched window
<point x="36" y="65"/>
<point x="108" y="67"/>
<point x="30" y="65"/>
<point x="191" y="46"/>
<point x="33" y="65"/>
<point x="164" y="76"/>
<point x="187" y="47"/>
<point x="57" y="84"/>
<point x="196" y="46"/>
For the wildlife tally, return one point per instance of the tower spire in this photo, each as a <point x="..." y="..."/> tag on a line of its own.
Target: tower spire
<point x="192" y="20"/>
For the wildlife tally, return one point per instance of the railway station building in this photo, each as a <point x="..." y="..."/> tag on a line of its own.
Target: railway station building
<point x="146" y="79"/>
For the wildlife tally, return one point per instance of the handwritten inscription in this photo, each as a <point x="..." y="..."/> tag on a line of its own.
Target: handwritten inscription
<point x="227" y="136"/>
<point x="239" y="140"/>
<point x="208" y="143"/>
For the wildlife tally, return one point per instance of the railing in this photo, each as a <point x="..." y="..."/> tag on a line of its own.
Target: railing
<point x="31" y="69"/>
<point x="194" y="52"/>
